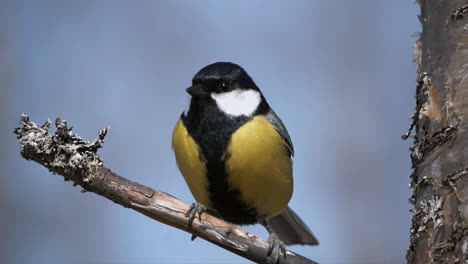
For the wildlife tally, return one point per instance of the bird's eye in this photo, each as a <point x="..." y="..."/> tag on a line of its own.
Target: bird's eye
<point x="222" y="86"/>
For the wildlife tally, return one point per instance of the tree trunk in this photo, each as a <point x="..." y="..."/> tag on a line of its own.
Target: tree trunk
<point x="439" y="232"/>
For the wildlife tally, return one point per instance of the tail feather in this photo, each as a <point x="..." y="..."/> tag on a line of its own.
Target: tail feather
<point x="291" y="229"/>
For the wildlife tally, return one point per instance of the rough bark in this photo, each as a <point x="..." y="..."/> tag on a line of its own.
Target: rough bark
<point x="439" y="231"/>
<point x="70" y="156"/>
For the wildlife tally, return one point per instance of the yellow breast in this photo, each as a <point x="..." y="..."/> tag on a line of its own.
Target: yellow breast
<point x="191" y="163"/>
<point x="259" y="166"/>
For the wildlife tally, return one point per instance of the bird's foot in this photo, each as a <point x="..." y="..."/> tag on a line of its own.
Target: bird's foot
<point x="192" y="212"/>
<point x="276" y="248"/>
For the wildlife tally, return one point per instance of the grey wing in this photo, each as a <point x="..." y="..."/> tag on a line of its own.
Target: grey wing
<point x="276" y="121"/>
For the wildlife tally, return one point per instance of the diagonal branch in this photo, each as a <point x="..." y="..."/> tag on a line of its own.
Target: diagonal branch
<point x="76" y="160"/>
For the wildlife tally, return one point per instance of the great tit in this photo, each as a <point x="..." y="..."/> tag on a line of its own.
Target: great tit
<point x="236" y="156"/>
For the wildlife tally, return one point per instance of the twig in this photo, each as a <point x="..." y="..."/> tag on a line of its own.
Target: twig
<point x="76" y="160"/>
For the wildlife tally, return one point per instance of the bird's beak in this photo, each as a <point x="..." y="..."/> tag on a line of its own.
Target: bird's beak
<point x="197" y="90"/>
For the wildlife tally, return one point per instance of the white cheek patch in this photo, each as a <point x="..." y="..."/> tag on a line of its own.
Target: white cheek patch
<point x="238" y="102"/>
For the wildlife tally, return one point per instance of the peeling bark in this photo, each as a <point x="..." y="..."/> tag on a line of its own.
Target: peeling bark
<point x="439" y="231"/>
<point x="76" y="160"/>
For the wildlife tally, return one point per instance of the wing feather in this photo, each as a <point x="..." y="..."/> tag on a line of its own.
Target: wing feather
<point x="276" y="121"/>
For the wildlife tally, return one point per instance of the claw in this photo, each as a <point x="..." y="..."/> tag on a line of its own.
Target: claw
<point x="192" y="212"/>
<point x="276" y="246"/>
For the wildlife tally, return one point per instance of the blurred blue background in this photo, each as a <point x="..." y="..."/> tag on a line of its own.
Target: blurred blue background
<point x="339" y="73"/>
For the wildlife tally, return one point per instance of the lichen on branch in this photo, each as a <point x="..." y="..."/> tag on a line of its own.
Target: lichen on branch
<point x="63" y="153"/>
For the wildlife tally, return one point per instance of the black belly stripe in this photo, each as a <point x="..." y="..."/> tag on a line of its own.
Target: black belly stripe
<point x="212" y="141"/>
<point x="211" y="129"/>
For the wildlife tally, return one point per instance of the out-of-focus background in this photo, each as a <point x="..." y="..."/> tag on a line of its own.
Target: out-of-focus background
<point x="339" y="73"/>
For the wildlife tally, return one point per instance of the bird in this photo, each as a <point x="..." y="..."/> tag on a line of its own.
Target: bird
<point x="235" y="155"/>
